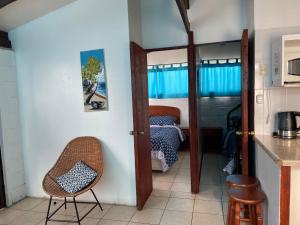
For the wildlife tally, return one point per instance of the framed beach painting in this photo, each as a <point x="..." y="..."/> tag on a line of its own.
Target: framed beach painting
<point x="93" y="75"/>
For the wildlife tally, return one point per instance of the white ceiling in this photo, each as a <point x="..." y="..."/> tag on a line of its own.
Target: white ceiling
<point x="24" y="11"/>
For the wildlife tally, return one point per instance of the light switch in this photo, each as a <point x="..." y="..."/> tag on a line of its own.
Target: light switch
<point x="260" y="99"/>
<point x="263" y="69"/>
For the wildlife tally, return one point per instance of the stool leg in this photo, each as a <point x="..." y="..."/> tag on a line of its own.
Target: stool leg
<point x="237" y="214"/>
<point x="229" y="213"/>
<point x="259" y="214"/>
<point x="252" y="215"/>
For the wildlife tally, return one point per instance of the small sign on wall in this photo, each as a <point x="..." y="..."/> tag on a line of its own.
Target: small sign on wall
<point x="93" y="75"/>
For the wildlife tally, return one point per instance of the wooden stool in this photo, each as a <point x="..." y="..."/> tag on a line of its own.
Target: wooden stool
<point x="241" y="181"/>
<point x="252" y="199"/>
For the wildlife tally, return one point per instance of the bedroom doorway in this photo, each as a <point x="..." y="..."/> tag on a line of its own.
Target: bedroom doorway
<point x="141" y="132"/>
<point x="168" y="92"/>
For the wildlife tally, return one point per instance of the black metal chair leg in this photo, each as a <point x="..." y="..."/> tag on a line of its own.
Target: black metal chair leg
<point x="77" y="214"/>
<point x="65" y="203"/>
<point x="48" y="211"/>
<point x="97" y="200"/>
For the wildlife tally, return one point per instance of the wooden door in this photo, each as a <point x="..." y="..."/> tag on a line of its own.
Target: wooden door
<point x="141" y="132"/>
<point x="193" y="117"/>
<point x="2" y="192"/>
<point x="245" y="102"/>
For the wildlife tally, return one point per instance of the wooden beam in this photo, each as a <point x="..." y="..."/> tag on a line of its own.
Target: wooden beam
<point x="187" y="4"/>
<point x="4" y="41"/>
<point x="183" y="12"/>
<point x="3" y="34"/>
<point x="5" y="2"/>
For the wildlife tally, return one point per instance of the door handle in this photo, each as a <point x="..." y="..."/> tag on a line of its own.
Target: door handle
<point x="240" y="133"/>
<point x="136" y="133"/>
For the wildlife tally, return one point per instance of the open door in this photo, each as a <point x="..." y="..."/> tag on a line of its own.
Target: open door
<point x="195" y="154"/>
<point x="141" y="132"/>
<point x="245" y="102"/>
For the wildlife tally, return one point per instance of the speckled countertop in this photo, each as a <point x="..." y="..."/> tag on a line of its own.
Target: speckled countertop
<point x="284" y="152"/>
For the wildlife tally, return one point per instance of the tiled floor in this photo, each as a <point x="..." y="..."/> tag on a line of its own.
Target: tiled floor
<point x="172" y="193"/>
<point x="171" y="202"/>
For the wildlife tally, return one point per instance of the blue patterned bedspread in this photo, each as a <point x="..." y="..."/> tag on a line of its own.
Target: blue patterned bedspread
<point x="165" y="142"/>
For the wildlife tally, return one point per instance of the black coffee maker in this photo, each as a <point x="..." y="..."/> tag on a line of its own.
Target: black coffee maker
<point x="287" y="124"/>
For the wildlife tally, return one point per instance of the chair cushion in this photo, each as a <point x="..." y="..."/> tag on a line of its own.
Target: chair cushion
<point x="77" y="178"/>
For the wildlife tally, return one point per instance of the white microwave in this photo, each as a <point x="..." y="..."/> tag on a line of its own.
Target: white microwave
<point x="286" y="61"/>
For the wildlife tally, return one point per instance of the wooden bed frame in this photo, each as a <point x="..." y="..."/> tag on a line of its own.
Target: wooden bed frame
<point x="160" y="110"/>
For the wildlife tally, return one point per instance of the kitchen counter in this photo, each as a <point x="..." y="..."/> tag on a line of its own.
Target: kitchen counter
<point x="277" y="166"/>
<point x="283" y="151"/>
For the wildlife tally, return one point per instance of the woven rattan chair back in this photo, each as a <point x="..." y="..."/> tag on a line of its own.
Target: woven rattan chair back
<point x="87" y="149"/>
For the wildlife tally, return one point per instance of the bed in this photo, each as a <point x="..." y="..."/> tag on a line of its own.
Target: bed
<point x="166" y="137"/>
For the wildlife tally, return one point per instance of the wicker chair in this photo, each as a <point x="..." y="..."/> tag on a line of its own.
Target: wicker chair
<point x="87" y="149"/>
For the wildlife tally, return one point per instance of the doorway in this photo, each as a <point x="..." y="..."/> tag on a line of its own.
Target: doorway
<point x="226" y="108"/>
<point x="168" y="94"/>
<point x="220" y="115"/>
<point x="141" y="130"/>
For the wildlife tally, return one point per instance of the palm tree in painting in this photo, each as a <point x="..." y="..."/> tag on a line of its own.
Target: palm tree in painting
<point x="90" y="77"/>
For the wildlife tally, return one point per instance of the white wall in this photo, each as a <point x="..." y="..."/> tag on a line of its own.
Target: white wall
<point x="272" y="19"/>
<point x="162" y="24"/>
<point x="214" y="111"/>
<point x="215" y="21"/>
<point x="181" y="103"/>
<point x="135" y="21"/>
<point x="274" y="14"/>
<point x="51" y="100"/>
<point x="167" y="57"/>
<point x="10" y="130"/>
<point x="220" y="51"/>
<point x="211" y="21"/>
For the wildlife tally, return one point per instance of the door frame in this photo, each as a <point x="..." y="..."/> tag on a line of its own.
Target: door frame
<point x="247" y="93"/>
<point x="245" y="101"/>
<point x="194" y="151"/>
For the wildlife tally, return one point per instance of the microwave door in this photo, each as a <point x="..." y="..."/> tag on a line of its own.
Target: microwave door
<point x="294" y="67"/>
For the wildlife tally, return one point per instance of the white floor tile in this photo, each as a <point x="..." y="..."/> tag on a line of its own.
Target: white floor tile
<point x="207" y="219"/>
<point x="176" y="218"/>
<point x="210" y="207"/>
<point x="150" y="216"/>
<point x="156" y="202"/>
<point x="180" y="204"/>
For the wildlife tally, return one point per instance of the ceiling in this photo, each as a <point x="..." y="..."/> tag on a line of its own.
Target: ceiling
<point x="24" y="11"/>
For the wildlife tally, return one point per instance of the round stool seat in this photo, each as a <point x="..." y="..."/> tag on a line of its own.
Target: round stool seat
<point x="241" y="181"/>
<point x="248" y="197"/>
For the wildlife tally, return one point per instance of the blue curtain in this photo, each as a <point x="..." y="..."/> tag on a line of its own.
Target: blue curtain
<point x="216" y="80"/>
<point x="220" y="80"/>
<point x="168" y="82"/>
